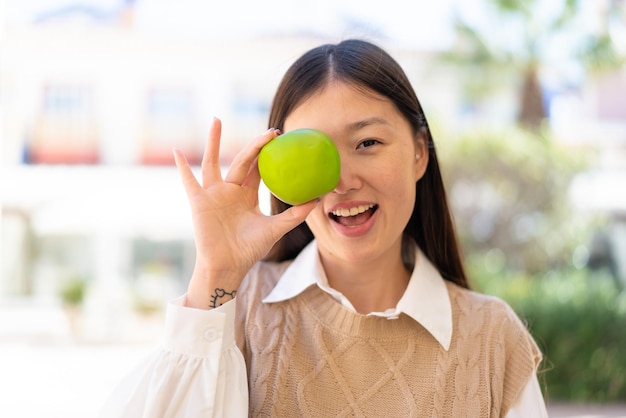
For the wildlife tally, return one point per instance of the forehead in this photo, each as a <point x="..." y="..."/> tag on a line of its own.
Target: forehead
<point x="339" y="105"/>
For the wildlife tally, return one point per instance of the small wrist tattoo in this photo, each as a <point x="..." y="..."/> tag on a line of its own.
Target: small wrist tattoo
<point x="220" y="297"/>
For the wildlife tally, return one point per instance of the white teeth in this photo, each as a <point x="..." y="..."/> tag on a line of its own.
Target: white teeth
<point x="352" y="211"/>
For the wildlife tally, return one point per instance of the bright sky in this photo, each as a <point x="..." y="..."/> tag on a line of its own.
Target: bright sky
<point x="421" y="24"/>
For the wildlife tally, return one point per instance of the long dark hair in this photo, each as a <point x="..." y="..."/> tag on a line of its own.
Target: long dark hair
<point x="369" y="68"/>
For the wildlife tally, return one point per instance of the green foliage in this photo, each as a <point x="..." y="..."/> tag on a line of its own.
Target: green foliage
<point x="600" y="54"/>
<point x="578" y="320"/>
<point x="520" y="235"/>
<point x="72" y="291"/>
<point x="147" y="306"/>
<point x="528" y="29"/>
<point x="509" y="192"/>
<point x="519" y="39"/>
<point x="514" y="6"/>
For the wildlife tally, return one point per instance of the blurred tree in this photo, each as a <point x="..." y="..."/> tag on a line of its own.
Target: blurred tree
<point x="516" y="40"/>
<point x="509" y="193"/>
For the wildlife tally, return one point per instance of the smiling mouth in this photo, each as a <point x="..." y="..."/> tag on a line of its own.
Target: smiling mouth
<point x="354" y="216"/>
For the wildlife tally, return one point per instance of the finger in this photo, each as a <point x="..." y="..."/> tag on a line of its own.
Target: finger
<point x="292" y="217"/>
<point x="253" y="179"/>
<point x="190" y="183"/>
<point x="240" y="167"/>
<point x="211" y="170"/>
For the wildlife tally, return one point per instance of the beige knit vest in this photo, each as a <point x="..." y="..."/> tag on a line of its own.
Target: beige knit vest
<point x="311" y="357"/>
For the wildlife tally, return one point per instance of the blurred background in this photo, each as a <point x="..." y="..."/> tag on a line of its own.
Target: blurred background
<point x="527" y="105"/>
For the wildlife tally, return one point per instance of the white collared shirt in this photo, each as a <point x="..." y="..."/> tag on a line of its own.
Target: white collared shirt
<point x="425" y="298"/>
<point x="200" y="372"/>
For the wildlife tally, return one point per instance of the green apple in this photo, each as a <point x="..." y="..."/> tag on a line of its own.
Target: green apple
<point x="300" y="165"/>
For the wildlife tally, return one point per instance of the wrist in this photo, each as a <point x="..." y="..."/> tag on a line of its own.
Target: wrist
<point x="210" y="289"/>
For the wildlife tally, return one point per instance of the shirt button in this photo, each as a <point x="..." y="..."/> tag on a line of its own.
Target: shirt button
<point x="211" y="334"/>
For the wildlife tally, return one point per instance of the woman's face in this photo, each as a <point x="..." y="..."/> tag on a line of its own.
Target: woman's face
<point x="364" y="217"/>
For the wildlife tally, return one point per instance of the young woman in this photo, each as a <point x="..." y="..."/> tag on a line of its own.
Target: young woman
<point x="355" y="304"/>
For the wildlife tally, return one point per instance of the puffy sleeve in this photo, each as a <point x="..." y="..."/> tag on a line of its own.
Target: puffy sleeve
<point x="197" y="372"/>
<point x="529" y="403"/>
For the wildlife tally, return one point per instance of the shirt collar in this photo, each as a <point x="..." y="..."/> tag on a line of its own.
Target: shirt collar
<point x="303" y="272"/>
<point x="425" y="299"/>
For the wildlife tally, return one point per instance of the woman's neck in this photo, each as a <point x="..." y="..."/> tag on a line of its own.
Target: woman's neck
<point x="373" y="286"/>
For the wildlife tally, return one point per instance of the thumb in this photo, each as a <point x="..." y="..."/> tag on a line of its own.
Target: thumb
<point x="292" y="217"/>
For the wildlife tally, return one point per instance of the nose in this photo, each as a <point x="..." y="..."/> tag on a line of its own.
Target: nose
<point x="349" y="178"/>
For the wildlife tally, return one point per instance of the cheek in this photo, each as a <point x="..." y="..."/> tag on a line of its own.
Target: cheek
<point x="398" y="184"/>
<point x="397" y="177"/>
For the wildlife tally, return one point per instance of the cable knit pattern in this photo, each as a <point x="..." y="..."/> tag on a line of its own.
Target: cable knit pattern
<point x="439" y="386"/>
<point x="467" y="378"/>
<point x="309" y="356"/>
<point x="284" y="352"/>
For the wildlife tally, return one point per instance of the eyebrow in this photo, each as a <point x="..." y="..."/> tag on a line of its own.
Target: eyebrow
<point x="375" y="120"/>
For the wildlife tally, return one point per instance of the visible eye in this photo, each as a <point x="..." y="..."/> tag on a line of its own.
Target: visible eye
<point x="367" y="143"/>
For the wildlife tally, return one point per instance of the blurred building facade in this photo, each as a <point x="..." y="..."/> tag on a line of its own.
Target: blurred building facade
<point x="91" y="112"/>
<point x="92" y="107"/>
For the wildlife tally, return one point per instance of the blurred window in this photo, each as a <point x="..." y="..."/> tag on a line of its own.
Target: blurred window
<point x="65" y="129"/>
<point x="160" y="270"/>
<point x="169" y="121"/>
